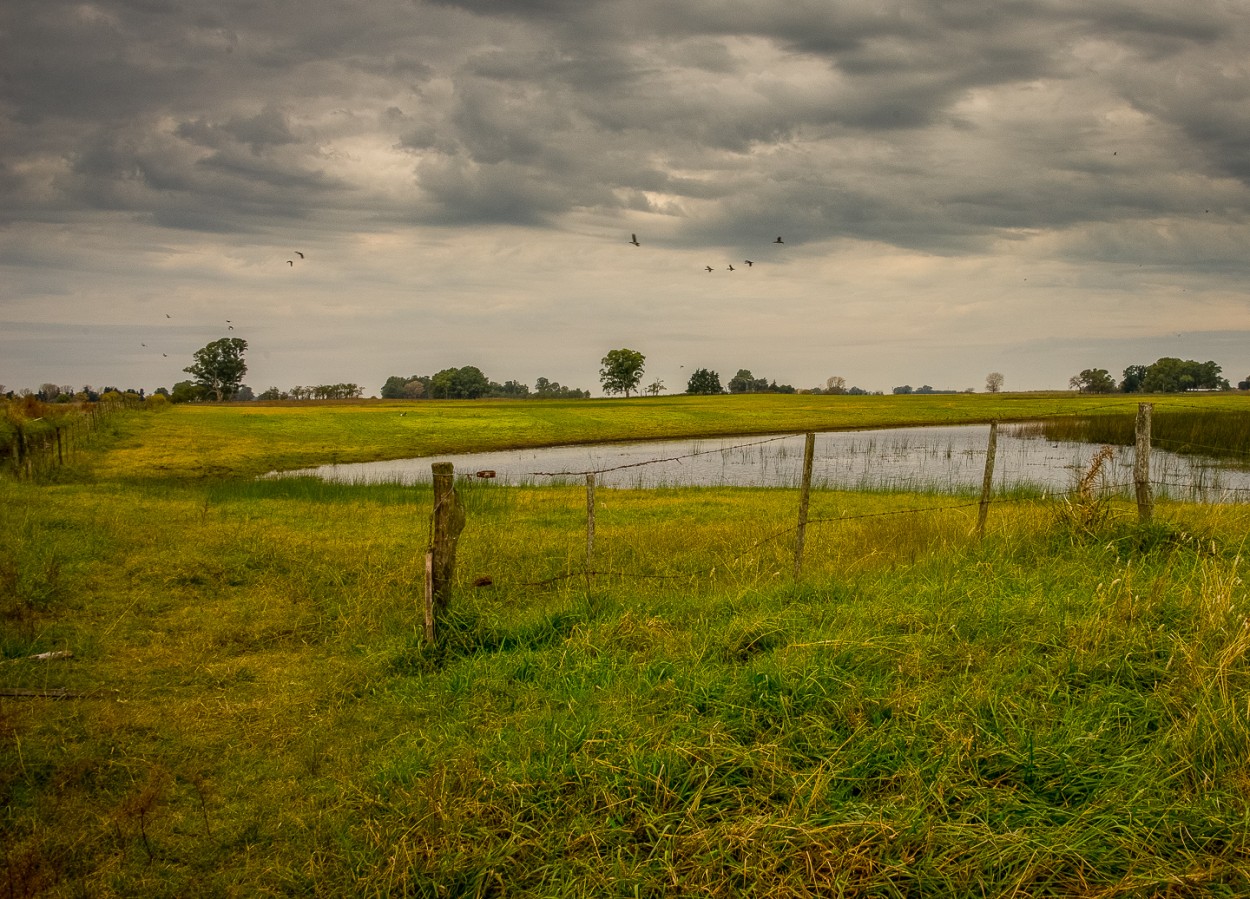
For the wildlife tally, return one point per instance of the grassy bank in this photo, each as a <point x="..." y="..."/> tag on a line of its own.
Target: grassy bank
<point x="1059" y="710"/>
<point x="249" y="439"/>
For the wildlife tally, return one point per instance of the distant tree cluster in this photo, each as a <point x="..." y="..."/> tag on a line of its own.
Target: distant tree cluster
<point x="320" y="392"/>
<point x="553" y="390"/>
<point x="468" y="383"/>
<point x="65" y="393"/>
<point x="745" y="382"/>
<point x="1166" y="375"/>
<point x="925" y="390"/>
<point x="836" y="386"/>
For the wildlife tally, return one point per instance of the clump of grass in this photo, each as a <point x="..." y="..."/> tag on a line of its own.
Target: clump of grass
<point x="1085" y="510"/>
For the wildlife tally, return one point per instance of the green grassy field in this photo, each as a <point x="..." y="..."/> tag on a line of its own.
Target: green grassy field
<point x="253" y="438"/>
<point x="1060" y="709"/>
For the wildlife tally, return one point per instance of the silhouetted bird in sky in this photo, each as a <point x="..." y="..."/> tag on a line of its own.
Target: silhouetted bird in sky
<point x="731" y="268"/>
<point x="633" y="238"/>
<point x="231" y="328"/>
<point x="778" y="240"/>
<point x="167" y="315"/>
<point x="299" y="254"/>
<point x="708" y="267"/>
<point x="748" y="262"/>
<point x="290" y="262"/>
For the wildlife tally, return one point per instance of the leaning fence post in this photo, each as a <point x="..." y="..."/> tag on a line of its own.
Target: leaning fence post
<point x="590" y="521"/>
<point x="448" y="523"/>
<point x="988" y="481"/>
<point x="805" y="492"/>
<point x="1141" y="465"/>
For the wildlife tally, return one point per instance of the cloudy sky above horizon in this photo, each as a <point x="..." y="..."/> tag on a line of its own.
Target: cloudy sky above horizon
<point x="1033" y="187"/>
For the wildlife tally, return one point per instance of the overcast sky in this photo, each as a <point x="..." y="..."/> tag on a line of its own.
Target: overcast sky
<point x="1033" y="187"/>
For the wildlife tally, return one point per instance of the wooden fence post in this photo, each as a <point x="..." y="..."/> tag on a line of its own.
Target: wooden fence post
<point x="988" y="482"/>
<point x="590" y="522"/>
<point x="805" y="492"/>
<point x="1141" y="465"/>
<point x="429" y="595"/>
<point x="448" y="523"/>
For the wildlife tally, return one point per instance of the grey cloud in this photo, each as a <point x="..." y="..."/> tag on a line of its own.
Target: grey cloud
<point x="525" y="111"/>
<point x="462" y="192"/>
<point x="268" y="128"/>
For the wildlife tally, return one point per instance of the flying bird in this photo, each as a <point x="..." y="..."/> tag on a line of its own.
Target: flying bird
<point x="731" y="268"/>
<point x="290" y="262"/>
<point x="708" y="267"/>
<point x="633" y="238"/>
<point x="778" y="240"/>
<point x="167" y="315"/>
<point x="748" y="262"/>
<point x="299" y="254"/>
<point x="231" y="328"/>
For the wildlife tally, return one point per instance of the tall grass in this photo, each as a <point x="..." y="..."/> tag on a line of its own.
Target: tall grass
<point x="1053" y="711"/>
<point x="1223" y="434"/>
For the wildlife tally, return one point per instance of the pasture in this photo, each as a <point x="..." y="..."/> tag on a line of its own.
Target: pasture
<point x="214" y="441"/>
<point x="243" y="702"/>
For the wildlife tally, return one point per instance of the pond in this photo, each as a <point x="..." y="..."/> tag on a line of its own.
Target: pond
<point x="942" y="459"/>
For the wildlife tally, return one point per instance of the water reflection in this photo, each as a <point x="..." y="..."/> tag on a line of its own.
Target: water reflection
<point x="943" y="459"/>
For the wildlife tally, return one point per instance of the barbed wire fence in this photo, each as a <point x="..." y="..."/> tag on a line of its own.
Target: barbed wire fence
<point x="33" y="447"/>
<point x="1142" y="488"/>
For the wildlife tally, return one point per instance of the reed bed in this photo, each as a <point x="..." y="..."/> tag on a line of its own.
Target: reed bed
<point x="1223" y="434"/>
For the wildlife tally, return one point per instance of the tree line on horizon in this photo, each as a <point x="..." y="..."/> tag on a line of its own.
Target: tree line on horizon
<point x="218" y="370"/>
<point x="468" y="383"/>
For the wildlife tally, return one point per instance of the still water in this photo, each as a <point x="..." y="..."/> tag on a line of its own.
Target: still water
<point x="943" y="459"/>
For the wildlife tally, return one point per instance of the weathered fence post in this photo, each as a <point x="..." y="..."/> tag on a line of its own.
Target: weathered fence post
<point x="60" y="449"/>
<point x="448" y="523"/>
<point x="429" y="595"/>
<point x="1141" y="465"/>
<point x="590" y="522"/>
<point x="805" y="492"/>
<point x="988" y="482"/>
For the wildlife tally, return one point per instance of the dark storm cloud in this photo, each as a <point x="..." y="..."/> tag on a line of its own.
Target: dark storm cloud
<point x="886" y="121"/>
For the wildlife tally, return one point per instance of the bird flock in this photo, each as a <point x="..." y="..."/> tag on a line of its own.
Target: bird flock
<point x="633" y="239"/>
<point x="229" y="322"/>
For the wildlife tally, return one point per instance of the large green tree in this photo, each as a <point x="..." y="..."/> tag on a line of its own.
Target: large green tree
<point x="745" y="382"/>
<point x="219" y="367"/>
<point x="1134" y="375"/>
<point x="1093" y="380"/>
<point x="704" y="382"/>
<point x="1172" y="375"/>
<point x="467" y="383"/>
<point x="622" y="371"/>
